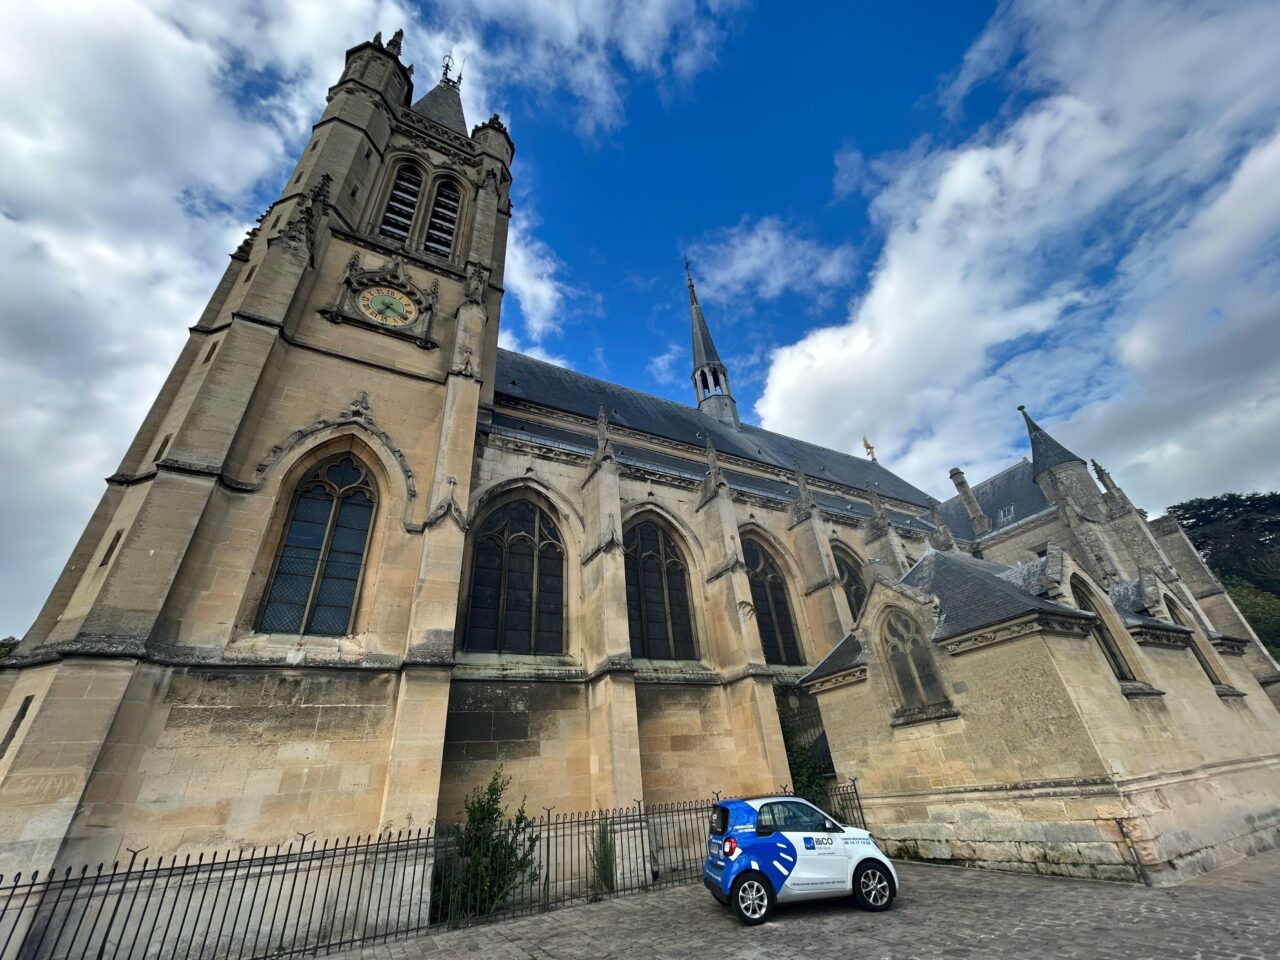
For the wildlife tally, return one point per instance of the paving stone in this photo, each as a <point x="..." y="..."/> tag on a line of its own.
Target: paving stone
<point x="942" y="913"/>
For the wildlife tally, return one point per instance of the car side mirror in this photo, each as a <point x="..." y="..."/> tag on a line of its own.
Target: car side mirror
<point x="832" y="827"/>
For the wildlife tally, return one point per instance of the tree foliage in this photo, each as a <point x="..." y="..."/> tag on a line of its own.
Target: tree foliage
<point x="481" y="862"/>
<point x="1238" y="535"/>
<point x="1260" y="608"/>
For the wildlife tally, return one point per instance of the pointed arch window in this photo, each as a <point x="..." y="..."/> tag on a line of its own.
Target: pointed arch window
<point x="911" y="663"/>
<point x="658" y="615"/>
<point x="1203" y="660"/>
<point x="402" y="204"/>
<point x="1101" y="633"/>
<point x="516" y="599"/>
<point x="443" y="223"/>
<point x="855" y="591"/>
<point x="773" y="611"/>
<point x="322" y="556"/>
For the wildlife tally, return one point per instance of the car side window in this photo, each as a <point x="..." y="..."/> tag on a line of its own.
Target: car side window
<point x="791" y="816"/>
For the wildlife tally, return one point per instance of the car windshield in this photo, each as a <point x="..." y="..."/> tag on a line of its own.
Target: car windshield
<point x="719" y="820"/>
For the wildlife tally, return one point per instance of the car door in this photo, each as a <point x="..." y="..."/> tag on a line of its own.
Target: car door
<point x="820" y="861"/>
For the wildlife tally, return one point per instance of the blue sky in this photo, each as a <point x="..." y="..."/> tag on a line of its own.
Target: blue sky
<point x="905" y="219"/>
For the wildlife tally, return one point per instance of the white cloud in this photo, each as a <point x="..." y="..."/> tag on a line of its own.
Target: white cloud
<point x="766" y="259"/>
<point x="851" y="174"/>
<point x="663" y="366"/>
<point x="509" y="340"/>
<point x="1105" y="252"/>
<point x="532" y="274"/>
<point x="134" y="164"/>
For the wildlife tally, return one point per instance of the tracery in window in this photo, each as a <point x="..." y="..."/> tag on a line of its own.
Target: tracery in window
<point x="1101" y="633"/>
<point x="772" y="610"/>
<point x="516" y="601"/>
<point x="322" y="555"/>
<point x="855" y="591"/>
<point x="911" y="662"/>
<point x="397" y="218"/>
<point x="443" y="223"/>
<point x="659" y="618"/>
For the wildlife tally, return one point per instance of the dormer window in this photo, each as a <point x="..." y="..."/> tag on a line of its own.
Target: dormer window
<point x="444" y="219"/>
<point x="1006" y="514"/>
<point x="402" y="204"/>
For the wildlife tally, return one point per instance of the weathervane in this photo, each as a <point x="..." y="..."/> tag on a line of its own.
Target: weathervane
<point x="448" y="65"/>
<point x="871" y="451"/>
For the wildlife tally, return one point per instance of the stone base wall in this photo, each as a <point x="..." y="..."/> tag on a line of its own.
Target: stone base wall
<point x="537" y="731"/>
<point x="200" y="759"/>
<point x="1181" y="825"/>
<point x="688" y="749"/>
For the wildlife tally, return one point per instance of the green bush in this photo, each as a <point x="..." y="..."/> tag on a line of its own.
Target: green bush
<point x="485" y="859"/>
<point x="604" y="860"/>
<point x="808" y="780"/>
<point x="1260" y="608"/>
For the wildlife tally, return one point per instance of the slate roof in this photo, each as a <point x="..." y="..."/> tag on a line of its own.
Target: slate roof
<point x="521" y="377"/>
<point x="443" y="104"/>
<point x="1126" y="597"/>
<point x="847" y="653"/>
<point x="1013" y="487"/>
<point x="975" y="593"/>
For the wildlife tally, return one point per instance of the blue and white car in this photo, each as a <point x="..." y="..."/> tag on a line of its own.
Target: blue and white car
<point x="763" y="851"/>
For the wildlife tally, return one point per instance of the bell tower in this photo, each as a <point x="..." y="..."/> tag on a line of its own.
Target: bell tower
<point x="341" y="368"/>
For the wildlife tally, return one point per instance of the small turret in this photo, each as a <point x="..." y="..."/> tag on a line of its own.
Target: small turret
<point x="1056" y="470"/>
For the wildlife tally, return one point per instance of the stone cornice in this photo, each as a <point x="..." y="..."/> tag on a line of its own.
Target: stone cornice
<point x="1016" y="630"/>
<point x="854" y="674"/>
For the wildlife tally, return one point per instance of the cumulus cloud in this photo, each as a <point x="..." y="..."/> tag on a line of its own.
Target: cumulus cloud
<point x="133" y="168"/>
<point x="767" y="258"/>
<point x="665" y="367"/>
<point x="1105" y="252"/>
<point x="533" y="275"/>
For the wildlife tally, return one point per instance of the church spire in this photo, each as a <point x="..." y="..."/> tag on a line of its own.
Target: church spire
<point x="443" y="102"/>
<point x="710" y="376"/>
<point x="1046" y="452"/>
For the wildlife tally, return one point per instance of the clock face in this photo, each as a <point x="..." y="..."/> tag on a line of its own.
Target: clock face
<point x="387" y="305"/>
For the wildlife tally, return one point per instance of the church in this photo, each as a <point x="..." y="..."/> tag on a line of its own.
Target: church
<point x="357" y="556"/>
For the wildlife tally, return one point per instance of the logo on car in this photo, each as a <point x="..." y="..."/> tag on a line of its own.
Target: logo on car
<point x="808" y="843"/>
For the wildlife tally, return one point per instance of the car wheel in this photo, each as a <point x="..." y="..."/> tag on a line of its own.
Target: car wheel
<point x="751" y="899"/>
<point x="873" y="886"/>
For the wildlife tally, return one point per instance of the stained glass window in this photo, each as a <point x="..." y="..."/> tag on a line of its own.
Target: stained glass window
<point x="658" y="614"/>
<point x="911" y="662"/>
<point x="516" y="604"/>
<point x="855" y="590"/>
<point x="773" y="611"/>
<point x="321" y="560"/>
<point x="1101" y="635"/>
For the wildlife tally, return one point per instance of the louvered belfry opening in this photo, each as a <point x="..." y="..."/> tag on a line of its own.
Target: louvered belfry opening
<point x="403" y="202"/>
<point x="444" y="219"/>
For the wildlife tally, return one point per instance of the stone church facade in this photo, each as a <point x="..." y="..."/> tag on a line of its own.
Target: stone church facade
<point x="357" y="556"/>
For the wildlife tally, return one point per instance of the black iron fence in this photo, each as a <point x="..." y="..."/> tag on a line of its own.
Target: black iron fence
<point x="314" y="896"/>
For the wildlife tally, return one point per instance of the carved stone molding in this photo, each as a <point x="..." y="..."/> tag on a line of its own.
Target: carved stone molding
<point x="448" y="507"/>
<point x="358" y="414"/>
<point x="1003" y="633"/>
<point x="728" y="565"/>
<point x="610" y="541"/>
<point x="855" y="674"/>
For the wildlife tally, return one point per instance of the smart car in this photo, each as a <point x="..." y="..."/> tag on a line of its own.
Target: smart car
<point x="763" y="851"/>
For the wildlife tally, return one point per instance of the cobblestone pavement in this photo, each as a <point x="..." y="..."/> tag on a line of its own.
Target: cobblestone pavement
<point x="943" y="912"/>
